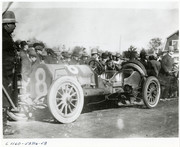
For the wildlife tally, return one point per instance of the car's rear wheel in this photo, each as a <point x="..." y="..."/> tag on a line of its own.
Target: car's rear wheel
<point x="151" y="92"/>
<point x="65" y="99"/>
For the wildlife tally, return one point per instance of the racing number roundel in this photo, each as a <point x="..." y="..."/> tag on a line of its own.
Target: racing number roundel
<point x="72" y="69"/>
<point x="40" y="85"/>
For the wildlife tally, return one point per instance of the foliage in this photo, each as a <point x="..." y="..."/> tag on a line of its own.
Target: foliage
<point x="77" y="50"/>
<point x="131" y="53"/>
<point x="154" y="44"/>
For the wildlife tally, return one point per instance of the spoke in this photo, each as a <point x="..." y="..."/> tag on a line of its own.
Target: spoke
<point x="60" y="93"/>
<point x="151" y="99"/>
<point x="65" y="110"/>
<point x="66" y="88"/>
<point x="62" y="108"/>
<point x="70" y="90"/>
<point x="148" y="92"/>
<point x="60" y="103"/>
<point x="59" y="98"/>
<point x="73" y="94"/>
<point x="63" y="89"/>
<point x="74" y="99"/>
<point x="72" y="104"/>
<point x="94" y="68"/>
<point x="70" y="108"/>
<point x="149" y="95"/>
<point x="154" y="95"/>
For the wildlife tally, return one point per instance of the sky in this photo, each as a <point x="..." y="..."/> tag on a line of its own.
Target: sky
<point x="113" y="26"/>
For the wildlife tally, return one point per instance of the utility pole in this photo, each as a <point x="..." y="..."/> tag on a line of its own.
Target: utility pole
<point x="120" y="43"/>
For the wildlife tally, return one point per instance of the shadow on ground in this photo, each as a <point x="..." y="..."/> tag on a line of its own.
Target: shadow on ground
<point x="90" y="105"/>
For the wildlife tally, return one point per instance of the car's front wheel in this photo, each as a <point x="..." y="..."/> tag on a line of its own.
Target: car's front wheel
<point x="65" y="99"/>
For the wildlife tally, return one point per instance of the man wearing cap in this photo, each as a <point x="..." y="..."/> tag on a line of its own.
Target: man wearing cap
<point x="84" y="59"/>
<point x="167" y="62"/>
<point x="75" y="57"/>
<point x="24" y="63"/>
<point x="114" y="56"/>
<point x="143" y="58"/>
<point x="33" y="60"/>
<point x="51" y="57"/>
<point x="39" y="50"/>
<point x="165" y="72"/>
<point x="94" y="54"/>
<point x="31" y="63"/>
<point x="118" y="61"/>
<point x="153" y="66"/>
<point x="8" y="59"/>
<point x="66" y="57"/>
<point x="104" y="60"/>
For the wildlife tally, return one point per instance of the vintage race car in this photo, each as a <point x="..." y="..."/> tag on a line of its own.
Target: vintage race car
<point x="64" y="87"/>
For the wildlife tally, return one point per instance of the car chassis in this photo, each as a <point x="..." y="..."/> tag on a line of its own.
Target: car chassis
<point x="63" y="88"/>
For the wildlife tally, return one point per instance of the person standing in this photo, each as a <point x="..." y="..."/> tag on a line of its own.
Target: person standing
<point x="143" y="58"/>
<point x="84" y="59"/>
<point x="66" y="58"/>
<point x="51" y="57"/>
<point x="94" y="54"/>
<point x="167" y="62"/>
<point x="8" y="60"/>
<point x="39" y="47"/>
<point x="153" y="66"/>
<point x="165" y="72"/>
<point x="75" y="58"/>
<point x="24" y="61"/>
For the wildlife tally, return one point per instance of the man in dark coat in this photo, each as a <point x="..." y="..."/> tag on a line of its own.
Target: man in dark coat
<point x="165" y="72"/>
<point x="8" y="60"/>
<point x="153" y="66"/>
<point x="75" y="57"/>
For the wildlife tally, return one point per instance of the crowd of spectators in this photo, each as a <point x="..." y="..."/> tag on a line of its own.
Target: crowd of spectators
<point x="160" y="66"/>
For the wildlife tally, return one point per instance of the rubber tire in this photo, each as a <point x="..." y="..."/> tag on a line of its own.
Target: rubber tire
<point x="146" y="84"/>
<point x="51" y="99"/>
<point x="135" y="62"/>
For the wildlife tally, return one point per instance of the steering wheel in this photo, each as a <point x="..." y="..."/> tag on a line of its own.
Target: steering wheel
<point x="96" y="66"/>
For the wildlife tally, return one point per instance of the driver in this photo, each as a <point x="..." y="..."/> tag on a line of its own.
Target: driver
<point x="103" y="61"/>
<point x="94" y="54"/>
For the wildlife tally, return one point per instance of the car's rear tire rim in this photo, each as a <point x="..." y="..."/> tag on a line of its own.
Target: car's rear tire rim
<point x="152" y="93"/>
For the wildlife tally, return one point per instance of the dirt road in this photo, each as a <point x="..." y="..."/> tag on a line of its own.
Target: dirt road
<point x="106" y="120"/>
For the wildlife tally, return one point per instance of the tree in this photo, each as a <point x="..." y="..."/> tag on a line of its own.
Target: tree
<point x="131" y="53"/>
<point x="77" y="50"/>
<point x="154" y="45"/>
